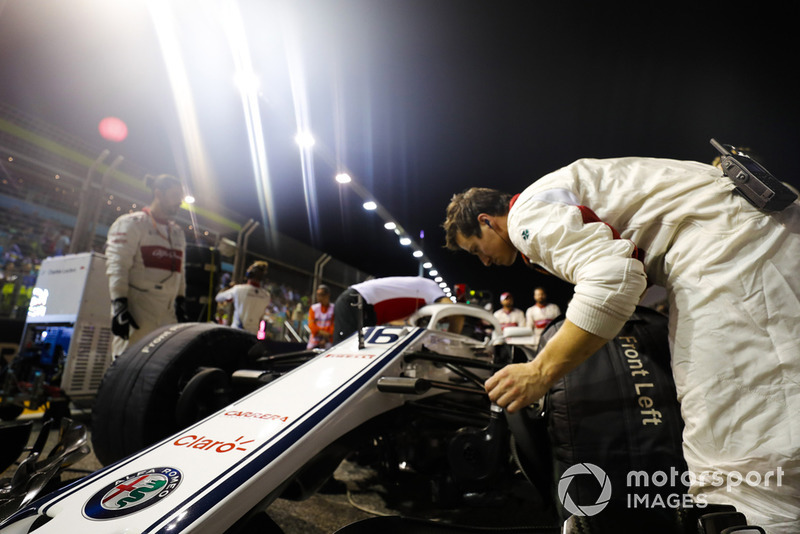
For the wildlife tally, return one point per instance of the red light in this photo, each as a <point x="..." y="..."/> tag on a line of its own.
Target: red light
<point x="113" y="129"/>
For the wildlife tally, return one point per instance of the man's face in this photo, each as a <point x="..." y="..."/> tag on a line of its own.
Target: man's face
<point x="508" y="303"/>
<point x="490" y="248"/>
<point x="170" y="200"/>
<point x="539" y="296"/>
<point x="323" y="297"/>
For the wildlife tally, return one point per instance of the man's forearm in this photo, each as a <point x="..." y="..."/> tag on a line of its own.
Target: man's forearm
<point x="569" y="348"/>
<point x="519" y="385"/>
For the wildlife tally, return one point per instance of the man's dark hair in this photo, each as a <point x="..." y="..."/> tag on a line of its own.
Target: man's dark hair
<point x="464" y="208"/>
<point x="257" y="271"/>
<point x="161" y="182"/>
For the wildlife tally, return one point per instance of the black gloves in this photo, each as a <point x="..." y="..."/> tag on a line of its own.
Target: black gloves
<point x="180" y="310"/>
<point x="123" y="320"/>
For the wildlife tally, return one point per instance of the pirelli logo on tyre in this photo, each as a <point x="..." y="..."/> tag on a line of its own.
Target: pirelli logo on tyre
<point x="132" y="493"/>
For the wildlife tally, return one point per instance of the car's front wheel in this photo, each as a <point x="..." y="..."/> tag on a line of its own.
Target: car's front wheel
<point x="138" y="402"/>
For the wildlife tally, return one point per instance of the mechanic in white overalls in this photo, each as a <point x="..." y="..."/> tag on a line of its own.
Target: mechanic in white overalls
<point x="145" y="264"/>
<point x="731" y="273"/>
<point x="250" y="300"/>
<point x="541" y="314"/>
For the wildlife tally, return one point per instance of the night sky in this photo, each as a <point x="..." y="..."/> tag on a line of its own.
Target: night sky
<point x="416" y="99"/>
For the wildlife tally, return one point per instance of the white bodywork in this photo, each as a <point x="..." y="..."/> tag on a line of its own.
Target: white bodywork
<point x="206" y="477"/>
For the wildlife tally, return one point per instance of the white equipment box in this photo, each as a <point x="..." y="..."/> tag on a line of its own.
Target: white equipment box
<point x="70" y="310"/>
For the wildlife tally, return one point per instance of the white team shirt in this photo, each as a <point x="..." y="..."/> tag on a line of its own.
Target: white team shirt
<point x="249" y="305"/>
<point x="515" y="317"/>
<point x="538" y="317"/>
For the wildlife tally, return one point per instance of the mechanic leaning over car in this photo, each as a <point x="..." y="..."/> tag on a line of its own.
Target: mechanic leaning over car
<point x="145" y="255"/>
<point x="611" y="227"/>
<point x="384" y="300"/>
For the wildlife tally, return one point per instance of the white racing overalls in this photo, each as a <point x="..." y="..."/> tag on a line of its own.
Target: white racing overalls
<point x="145" y="264"/>
<point x="249" y="305"/>
<point x="538" y="317"/>
<point x="731" y="275"/>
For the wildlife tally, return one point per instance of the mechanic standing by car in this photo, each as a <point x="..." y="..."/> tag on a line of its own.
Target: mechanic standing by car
<point x="541" y="314"/>
<point x="145" y="255"/>
<point x="250" y="300"/>
<point x="508" y="315"/>
<point x="730" y="269"/>
<point x="384" y="300"/>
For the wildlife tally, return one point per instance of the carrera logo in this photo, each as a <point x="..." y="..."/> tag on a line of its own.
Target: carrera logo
<point x="352" y="356"/>
<point x="256" y="415"/>
<point x="206" y="444"/>
<point x="133" y="493"/>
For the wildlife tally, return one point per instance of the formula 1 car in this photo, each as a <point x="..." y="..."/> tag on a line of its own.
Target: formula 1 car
<point x="203" y="427"/>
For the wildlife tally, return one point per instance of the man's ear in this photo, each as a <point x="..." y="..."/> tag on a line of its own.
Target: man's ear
<point x="485" y="219"/>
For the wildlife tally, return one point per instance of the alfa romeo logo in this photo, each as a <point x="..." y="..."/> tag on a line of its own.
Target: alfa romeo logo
<point x="132" y="493"/>
<point x="584" y="509"/>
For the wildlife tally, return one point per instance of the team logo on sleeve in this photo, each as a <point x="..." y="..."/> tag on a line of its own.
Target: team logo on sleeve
<point x="132" y="493"/>
<point x="525" y="234"/>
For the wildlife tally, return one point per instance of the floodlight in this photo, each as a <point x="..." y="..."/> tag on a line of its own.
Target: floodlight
<point x="304" y="139"/>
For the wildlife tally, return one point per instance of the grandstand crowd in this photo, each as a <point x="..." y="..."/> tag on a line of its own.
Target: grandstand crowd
<point x="27" y="238"/>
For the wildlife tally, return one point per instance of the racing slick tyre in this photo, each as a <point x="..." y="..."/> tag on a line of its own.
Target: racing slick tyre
<point x="137" y="399"/>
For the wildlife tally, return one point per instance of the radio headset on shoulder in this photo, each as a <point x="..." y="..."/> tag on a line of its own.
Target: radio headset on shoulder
<point x="752" y="180"/>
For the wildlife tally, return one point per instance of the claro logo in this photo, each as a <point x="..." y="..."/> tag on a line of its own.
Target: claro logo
<point x="191" y="441"/>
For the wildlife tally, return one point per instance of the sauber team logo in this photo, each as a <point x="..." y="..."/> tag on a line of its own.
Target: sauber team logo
<point x="132" y="493"/>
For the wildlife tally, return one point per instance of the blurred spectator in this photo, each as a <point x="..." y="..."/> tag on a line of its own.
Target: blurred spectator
<point x="250" y="300"/>
<point x="61" y="245"/>
<point x="508" y="315"/>
<point x="12" y="253"/>
<point x="297" y="315"/>
<point x="320" y="320"/>
<point x="540" y="315"/>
